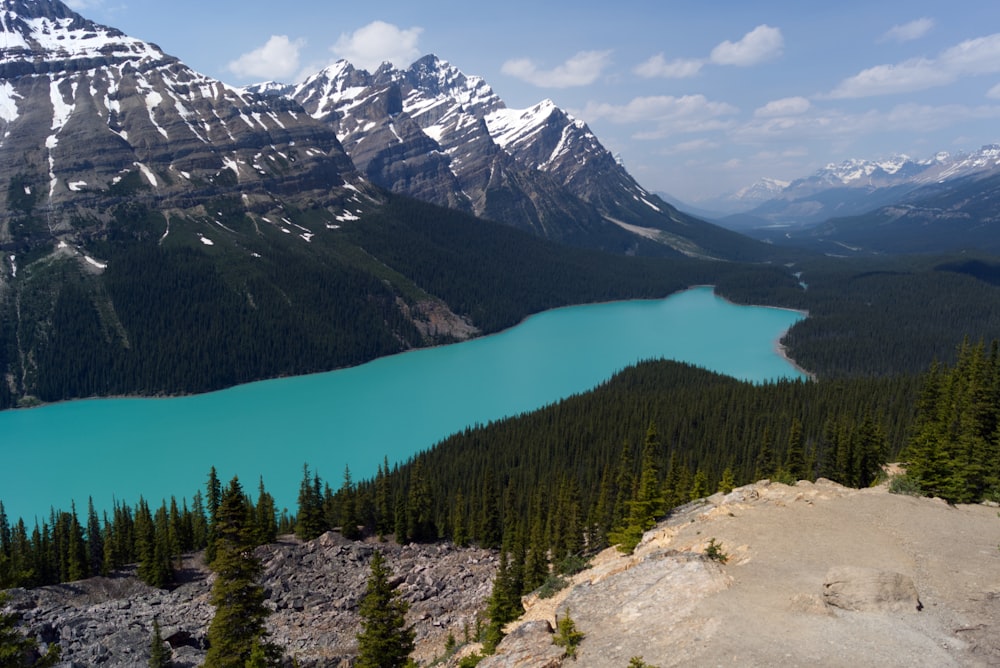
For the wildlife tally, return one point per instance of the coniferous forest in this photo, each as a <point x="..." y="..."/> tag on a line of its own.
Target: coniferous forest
<point x="893" y="381"/>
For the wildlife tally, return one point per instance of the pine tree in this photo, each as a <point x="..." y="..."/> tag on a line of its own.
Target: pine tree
<point x="238" y="598"/>
<point x="310" y="521"/>
<point x="266" y="520"/>
<point x="385" y="641"/>
<point x="795" y="456"/>
<point x="648" y="504"/>
<point x="159" y="652"/>
<point x="727" y="483"/>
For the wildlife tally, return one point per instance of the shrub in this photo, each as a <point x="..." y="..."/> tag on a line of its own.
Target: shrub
<point x="714" y="552"/>
<point x="904" y="484"/>
<point x="567" y="636"/>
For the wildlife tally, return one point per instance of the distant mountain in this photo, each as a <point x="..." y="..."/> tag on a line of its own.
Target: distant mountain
<point x="434" y="133"/>
<point x="960" y="214"/>
<point x="849" y="188"/>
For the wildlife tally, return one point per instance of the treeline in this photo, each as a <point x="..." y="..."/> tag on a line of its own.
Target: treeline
<point x="881" y="316"/>
<point x="559" y="481"/>
<point x="66" y="548"/>
<point x="955" y="450"/>
<point x="179" y="317"/>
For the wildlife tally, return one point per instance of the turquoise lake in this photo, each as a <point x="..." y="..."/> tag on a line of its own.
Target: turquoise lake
<point x="392" y="407"/>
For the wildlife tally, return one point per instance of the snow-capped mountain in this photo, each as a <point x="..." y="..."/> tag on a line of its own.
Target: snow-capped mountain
<point x="852" y="187"/>
<point x="436" y="134"/>
<point x="89" y="115"/>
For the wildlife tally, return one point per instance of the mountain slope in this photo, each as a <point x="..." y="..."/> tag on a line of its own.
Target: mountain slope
<point x="163" y="233"/>
<point x="434" y="133"/>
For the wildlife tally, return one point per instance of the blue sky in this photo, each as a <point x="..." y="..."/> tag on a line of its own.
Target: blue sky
<point x="698" y="98"/>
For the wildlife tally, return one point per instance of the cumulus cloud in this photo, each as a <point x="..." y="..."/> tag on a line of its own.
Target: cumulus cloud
<point x="580" y="70"/>
<point x="277" y="59"/>
<point x="908" y="31"/>
<point x="761" y="44"/>
<point x="379" y="42"/>
<point x="971" y="57"/>
<point x="659" y="66"/>
<point x="788" y="106"/>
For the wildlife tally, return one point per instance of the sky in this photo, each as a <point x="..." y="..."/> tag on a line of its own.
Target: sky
<point x="697" y="98"/>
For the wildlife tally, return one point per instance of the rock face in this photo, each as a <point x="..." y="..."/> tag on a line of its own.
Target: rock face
<point x="434" y="133"/>
<point x="314" y="589"/>
<point x="91" y="118"/>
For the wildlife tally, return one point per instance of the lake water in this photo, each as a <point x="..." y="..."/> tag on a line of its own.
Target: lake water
<point x="392" y="407"/>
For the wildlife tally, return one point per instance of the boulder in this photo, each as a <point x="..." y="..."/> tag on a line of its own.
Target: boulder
<point x="870" y="590"/>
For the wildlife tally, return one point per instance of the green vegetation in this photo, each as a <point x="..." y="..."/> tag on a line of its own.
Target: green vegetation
<point x="715" y="552"/>
<point x="236" y="634"/>
<point x="64" y="549"/>
<point x="954" y="452"/>
<point x="567" y="636"/>
<point x="159" y="652"/>
<point x="385" y="641"/>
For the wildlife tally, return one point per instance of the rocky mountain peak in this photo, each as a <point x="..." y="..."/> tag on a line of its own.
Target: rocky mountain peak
<point x="46" y="36"/>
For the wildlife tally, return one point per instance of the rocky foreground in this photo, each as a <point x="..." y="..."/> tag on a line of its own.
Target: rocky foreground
<point x="314" y="589"/>
<point x="815" y="574"/>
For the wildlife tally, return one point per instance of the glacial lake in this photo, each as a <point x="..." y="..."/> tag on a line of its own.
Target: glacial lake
<point x="117" y="449"/>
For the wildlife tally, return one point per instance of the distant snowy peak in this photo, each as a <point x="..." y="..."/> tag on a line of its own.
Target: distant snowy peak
<point x="36" y="33"/>
<point x="902" y="169"/>
<point x="762" y="190"/>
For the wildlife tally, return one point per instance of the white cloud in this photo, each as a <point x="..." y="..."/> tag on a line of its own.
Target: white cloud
<point x="908" y="31"/>
<point x="994" y="93"/>
<point x="278" y="58"/>
<point x="693" y="146"/>
<point x="658" y="66"/>
<point x="580" y="70"/>
<point x="665" y="115"/>
<point x="761" y="44"/>
<point x="378" y="42"/>
<point x="788" y="106"/>
<point x="80" y="5"/>
<point x="974" y="56"/>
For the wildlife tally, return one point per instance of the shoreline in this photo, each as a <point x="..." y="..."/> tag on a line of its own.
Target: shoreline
<point x="778" y="349"/>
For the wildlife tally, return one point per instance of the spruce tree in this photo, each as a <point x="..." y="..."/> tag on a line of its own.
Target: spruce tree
<point x="648" y="504"/>
<point x="385" y="641"/>
<point x="159" y="652"/>
<point x="238" y="598"/>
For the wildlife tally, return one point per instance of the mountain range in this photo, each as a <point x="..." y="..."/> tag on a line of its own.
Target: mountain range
<point x="151" y="213"/>
<point x="887" y="206"/>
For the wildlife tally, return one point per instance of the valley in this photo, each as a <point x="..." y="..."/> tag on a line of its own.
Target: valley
<point x="474" y="344"/>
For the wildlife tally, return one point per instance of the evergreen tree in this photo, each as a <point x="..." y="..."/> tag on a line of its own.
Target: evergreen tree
<point x="727" y="482"/>
<point x="266" y="518"/>
<point x="159" y="652"/>
<point x="310" y="521"/>
<point x="238" y="598"/>
<point x="95" y="540"/>
<point x="385" y="641"/>
<point x="648" y="504"/>
<point x="795" y="456"/>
